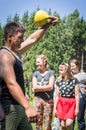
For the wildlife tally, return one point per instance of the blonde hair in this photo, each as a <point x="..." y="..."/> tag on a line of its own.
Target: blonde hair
<point x="44" y="60"/>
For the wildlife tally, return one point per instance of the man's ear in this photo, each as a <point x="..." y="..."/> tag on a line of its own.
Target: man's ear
<point x="9" y="37"/>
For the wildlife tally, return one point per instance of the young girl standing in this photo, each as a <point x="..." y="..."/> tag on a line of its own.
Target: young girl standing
<point x="66" y="105"/>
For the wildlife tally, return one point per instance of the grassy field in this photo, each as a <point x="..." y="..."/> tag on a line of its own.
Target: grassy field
<point x="76" y="126"/>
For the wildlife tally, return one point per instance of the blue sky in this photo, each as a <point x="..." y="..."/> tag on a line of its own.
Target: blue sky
<point x="63" y="7"/>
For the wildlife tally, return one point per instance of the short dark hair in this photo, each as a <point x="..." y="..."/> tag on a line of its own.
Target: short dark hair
<point x="13" y="28"/>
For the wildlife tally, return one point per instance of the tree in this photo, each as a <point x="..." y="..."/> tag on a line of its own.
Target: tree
<point x="16" y="18"/>
<point x="25" y="19"/>
<point x="60" y="43"/>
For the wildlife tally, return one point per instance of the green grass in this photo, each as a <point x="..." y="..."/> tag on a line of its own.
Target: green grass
<point x="76" y="125"/>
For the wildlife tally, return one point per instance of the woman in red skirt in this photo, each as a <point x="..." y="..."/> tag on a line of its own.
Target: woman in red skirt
<point x="66" y="106"/>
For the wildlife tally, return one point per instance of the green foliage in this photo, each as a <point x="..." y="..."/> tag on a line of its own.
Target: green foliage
<point x="9" y="19"/>
<point x="60" y="42"/>
<point x="16" y="18"/>
<point x="25" y="19"/>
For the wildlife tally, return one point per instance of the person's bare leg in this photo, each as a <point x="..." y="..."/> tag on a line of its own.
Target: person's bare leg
<point x="63" y="125"/>
<point x="69" y="123"/>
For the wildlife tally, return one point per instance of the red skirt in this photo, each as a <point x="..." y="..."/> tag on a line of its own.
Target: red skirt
<point x="66" y="108"/>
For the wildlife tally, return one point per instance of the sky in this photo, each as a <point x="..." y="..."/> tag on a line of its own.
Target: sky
<point x="62" y="7"/>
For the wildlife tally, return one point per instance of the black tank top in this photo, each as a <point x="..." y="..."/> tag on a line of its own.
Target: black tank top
<point x="6" y="97"/>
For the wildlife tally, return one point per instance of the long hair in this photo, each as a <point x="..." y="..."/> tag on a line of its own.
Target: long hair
<point x="68" y="74"/>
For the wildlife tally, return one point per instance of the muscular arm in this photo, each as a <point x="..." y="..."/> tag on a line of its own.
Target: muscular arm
<point x="15" y="90"/>
<point x="36" y="36"/>
<point x="10" y="79"/>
